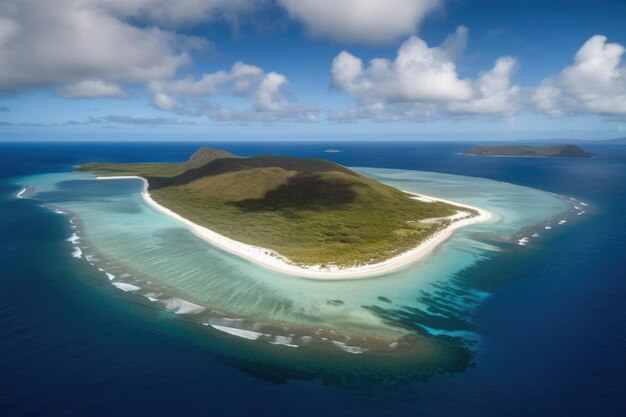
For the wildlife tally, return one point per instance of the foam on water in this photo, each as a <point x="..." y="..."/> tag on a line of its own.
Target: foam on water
<point x="126" y="287"/>
<point x="350" y="349"/>
<point x="151" y="296"/>
<point x="20" y="194"/>
<point x="283" y="341"/>
<point x="77" y="253"/>
<point x="179" y="306"/>
<point x="74" y="239"/>
<point x="110" y="276"/>
<point x="246" y="334"/>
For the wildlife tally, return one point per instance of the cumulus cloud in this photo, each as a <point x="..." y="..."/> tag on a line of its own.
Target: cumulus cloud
<point x="422" y="82"/>
<point x="371" y="21"/>
<point x="84" y="47"/>
<point x="263" y="89"/>
<point x="419" y="73"/>
<point x="268" y="96"/>
<point x="240" y="79"/>
<point x="493" y="92"/>
<point x="105" y="48"/>
<point x="595" y="83"/>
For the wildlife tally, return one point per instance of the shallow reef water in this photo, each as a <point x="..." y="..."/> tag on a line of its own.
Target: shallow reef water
<point x="404" y="325"/>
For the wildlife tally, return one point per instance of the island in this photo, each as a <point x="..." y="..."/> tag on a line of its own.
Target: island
<point x="565" y="150"/>
<point x="307" y="217"/>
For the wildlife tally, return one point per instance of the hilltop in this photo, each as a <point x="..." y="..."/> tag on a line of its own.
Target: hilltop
<point x="311" y="211"/>
<point x="565" y="150"/>
<point x="199" y="158"/>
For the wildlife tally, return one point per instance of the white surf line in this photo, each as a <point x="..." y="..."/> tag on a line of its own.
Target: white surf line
<point x="77" y="253"/>
<point x="126" y="287"/>
<point x="246" y="334"/>
<point x="272" y="260"/>
<point x="21" y="193"/>
<point x="74" y="238"/>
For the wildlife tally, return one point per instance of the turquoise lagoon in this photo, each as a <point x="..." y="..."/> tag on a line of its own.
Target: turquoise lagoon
<point x="420" y="315"/>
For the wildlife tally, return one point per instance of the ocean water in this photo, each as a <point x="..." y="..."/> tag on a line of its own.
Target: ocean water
<point x="112" y="308"/>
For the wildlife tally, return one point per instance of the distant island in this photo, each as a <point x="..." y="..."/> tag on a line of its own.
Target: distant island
<point x="615" y="141"/>
<point x="555" y="151"/>
<point x="308" y="217"/>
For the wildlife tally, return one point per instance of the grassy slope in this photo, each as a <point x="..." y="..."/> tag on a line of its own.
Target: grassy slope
<point x="199" y="158"/>
<point x="311" y="211"/>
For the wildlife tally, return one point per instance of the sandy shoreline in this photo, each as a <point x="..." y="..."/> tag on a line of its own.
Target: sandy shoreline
<point x="273" y="261"/>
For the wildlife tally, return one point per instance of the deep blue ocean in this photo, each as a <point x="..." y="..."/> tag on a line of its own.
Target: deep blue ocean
<point x="553" y="333"/>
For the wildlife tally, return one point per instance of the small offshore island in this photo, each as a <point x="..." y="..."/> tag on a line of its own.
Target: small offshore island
<point x="555" y="151"/>
<point x="307" y="217"/>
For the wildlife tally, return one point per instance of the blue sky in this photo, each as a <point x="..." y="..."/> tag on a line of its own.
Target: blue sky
<point x="312" y="69"/>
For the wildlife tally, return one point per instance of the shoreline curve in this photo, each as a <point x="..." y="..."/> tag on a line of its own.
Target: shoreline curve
<point x="273" y="261"/>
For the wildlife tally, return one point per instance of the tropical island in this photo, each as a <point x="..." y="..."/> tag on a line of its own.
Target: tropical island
<point x="555" y="151"/>
<point x="308" y="217"/>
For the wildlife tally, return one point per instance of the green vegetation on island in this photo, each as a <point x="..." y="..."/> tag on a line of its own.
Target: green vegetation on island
<point x="161" y="169"/>
<point x="311" y="211"/>
<point x="568" y="151"/>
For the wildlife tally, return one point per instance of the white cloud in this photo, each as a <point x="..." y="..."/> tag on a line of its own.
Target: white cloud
<point x="101" y="48"/>
<point x="67" y="42"/>
<point x="268" y="96"/>
<point x="263" y="89"/>
<point x="92" y="88"/>
<point x="595" y="83"/>
<point x="423" y="82"/>
<point x="419" y="73"/>
<point x="493" y="92"/>
<point x="164" y="102"/>
<point x="369" y="21"/>
<point x="238" y="80"/>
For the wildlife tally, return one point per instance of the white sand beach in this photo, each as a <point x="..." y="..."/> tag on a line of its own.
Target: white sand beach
<point x="271" y="260"/>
